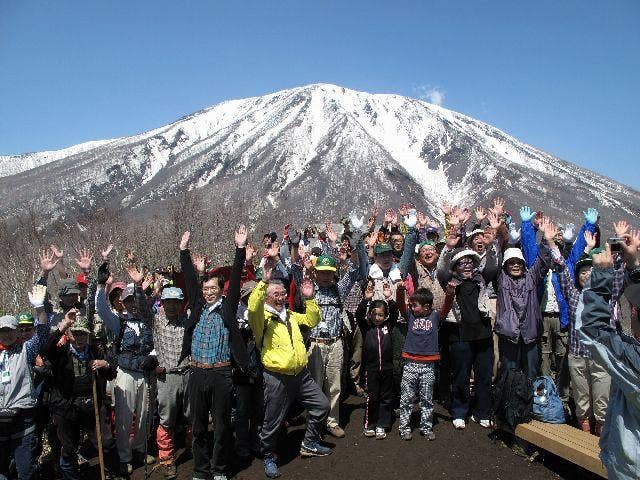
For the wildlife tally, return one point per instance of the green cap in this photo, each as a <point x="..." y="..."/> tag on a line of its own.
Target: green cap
<point x="80" y="325"/>
<point x="382" y="248"/>
<point x="596" y="251"/>
<point x="326" y="262"/>
<point x="25" y="319"/>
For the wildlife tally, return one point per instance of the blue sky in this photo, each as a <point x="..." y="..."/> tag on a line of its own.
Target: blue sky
<point x="562" y="76"/>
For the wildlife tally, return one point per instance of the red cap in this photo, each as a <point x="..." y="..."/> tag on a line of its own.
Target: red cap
<point x="81" y="279"/>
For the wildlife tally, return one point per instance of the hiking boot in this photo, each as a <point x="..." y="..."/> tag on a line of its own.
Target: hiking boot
<point x="459" y="424"/>
<point x="428" y="434"/>
<point x="380" y="433"/>
<point x="483" y="423"/>
<point x="369" y="432"/>
<point x="271" y="467"/>
<point x="335" y="431"/>
<point x="125" y="469"/>
<point x="406" y="435"/>
<point x="170" y="471"/>
<point x="314" y="449"/>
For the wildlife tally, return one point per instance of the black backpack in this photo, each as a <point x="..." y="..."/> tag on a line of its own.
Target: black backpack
<point x="512" y="396"/>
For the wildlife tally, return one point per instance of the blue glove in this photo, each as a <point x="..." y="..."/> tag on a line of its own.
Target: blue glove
<point x="526" y="214"/>
<point x="591" y="216"/>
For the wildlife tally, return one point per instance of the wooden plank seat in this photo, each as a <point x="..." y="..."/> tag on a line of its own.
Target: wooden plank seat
<point x="565" y="441"/>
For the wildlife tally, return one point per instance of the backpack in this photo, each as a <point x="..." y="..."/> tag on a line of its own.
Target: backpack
<point x="512" y="397"/>
<point x="547" y="406"/>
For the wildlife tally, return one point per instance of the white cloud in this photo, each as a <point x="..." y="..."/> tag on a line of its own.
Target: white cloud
<point x="431" y="94"/>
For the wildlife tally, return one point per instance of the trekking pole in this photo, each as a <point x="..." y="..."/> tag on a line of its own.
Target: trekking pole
<point x="147" y="381"/>
<point x="96" y="412"/>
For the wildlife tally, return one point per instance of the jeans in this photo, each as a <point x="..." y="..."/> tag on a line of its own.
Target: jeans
<point x="525" y="356"/>
<point x="478" y="355"/>
<point x="18" y="439"/>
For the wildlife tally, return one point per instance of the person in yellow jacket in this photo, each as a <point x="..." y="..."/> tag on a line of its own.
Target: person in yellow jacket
<point x="284" y="358"/>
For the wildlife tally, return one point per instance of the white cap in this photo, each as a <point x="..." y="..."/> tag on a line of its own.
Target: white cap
<point x="465" y="253"/>
<point x="511" y="253"/>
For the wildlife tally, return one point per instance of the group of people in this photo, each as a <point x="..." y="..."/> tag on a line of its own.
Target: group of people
<point x="400" y="312"/>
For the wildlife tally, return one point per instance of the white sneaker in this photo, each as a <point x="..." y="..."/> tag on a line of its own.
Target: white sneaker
<point x="483" y="423"/>
<point x="380" y="433"/>
<point x="459" y="424"/>
<point x="369" y="432"/>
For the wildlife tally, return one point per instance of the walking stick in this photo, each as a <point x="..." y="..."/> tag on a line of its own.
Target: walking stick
<point x="147" y="381"/>
<point x="96" y="412"/>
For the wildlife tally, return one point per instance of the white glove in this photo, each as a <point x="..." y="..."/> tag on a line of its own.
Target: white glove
<point x="411" y="219"/>
<point x="514" y="233"/>
<point x="356" y="223"/>
<point x="569" y="232"/>
<point x="37" y="296"/>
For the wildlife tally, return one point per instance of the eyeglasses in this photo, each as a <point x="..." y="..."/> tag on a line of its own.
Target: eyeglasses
<point x="210" y="289"/>
<point x="279" y="294"/>
<point x="465" y="261"/>
<point x="25" y="329"/>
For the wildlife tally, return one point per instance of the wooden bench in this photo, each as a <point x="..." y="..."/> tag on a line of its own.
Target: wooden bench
<point x="565" y="441"/>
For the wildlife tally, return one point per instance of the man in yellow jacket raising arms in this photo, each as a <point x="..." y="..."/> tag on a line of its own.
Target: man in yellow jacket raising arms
<point x="284" y="358"/>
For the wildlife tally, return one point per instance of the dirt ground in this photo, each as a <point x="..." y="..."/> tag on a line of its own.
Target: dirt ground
<point x="468" y="454"/>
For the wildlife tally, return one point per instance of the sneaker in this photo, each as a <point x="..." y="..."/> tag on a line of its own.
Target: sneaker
<point x="406" y="435"/>
<point x="459" y="424"/>
<point x="219" y="476"/>
<point x="369" y="432"/>
<point x="483" y="423"/>
<point x="428" y="434"/>
<point x="314" y="449"/>
<point x="335" y="431"/>
<point x="271" y="467"/>
<point x="170" y="471"/>
<point x="380" y="433"/>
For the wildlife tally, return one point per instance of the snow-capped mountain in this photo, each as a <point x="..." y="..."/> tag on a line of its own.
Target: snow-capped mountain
<point x="311" y="151"/>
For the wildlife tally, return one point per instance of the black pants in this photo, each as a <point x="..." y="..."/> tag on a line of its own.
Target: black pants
<point x="379" y="386"/>
<point x="18" y="439"/>
<point x="68" y="432"/>
<point x="210" y="392"/>
<point x="478" y="355"/>
<point x="248" y="417"/>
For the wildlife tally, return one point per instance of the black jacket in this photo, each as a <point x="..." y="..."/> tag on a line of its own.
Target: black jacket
<point x="65" y="385"/>
<point x="377" y="344"/>
<point x="228" y="308"/>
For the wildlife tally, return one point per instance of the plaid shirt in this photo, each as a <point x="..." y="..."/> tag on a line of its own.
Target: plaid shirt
<point x="353" y="299"/>
<point x="573" y="297"/>
<point x="167" y="340"/>
<point x="210" y="337"/>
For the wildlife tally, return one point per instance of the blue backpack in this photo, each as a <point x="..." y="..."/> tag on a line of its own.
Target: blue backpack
<point x="547" y="406"/>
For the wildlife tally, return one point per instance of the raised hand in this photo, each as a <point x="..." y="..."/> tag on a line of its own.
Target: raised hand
<point x="285" y="231"/>
<point x="137" y="275"/>
<point x="465" y="216"/>
<point x="267" y="270"/>
<point x="273" y="251"/>
<point x="331" y="235"/>
<point x="568" y="232"/>
<point x="603" y="259"/>
<point x="590" y="239"/>
<point x="184" y="240"/>
<point x="57" y="252"/>
<point x="498" y="205"/>
<point x="386" y="290"/>
<point x="591" y="216"/>
<point x="37" y="295"/>
<point x="356" y="222"/>
<point x="621" y="228"/>
<point x="199" y="262"/>
<point x="446" y="208"/>
<point x="389" y="216"/>
<point x="403" y="210"/>
<point x="105" y="253"/>
<point x="372" y="240"/>
<point x="131" y="256"/>
<point x="250" y="252"/>
<point x="48" y="261"/>
<point x="494" y="220"/>
<point x="240" y="237"/>
<point x="84" y="260"/>
<point x="630" y="247"/>
<point x="549" y="229"/>
<point x="481" y="214"/>
<point x="68" y="319"/>
<point x="526" y="214"/>
<point x="307" y="289"/>
<point x="368" y="292"/>
<point x="148" y="281"/>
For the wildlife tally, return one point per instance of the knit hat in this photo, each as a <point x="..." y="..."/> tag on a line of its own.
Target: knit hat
<point x="25" y="318"/>
<point x="381" y="248"/>
<point x="460" y="253"/>
<point x="424" y="244"/>
<point x="326" y="262"/>
<point x="68" y="286"/>
<point x="80" y="325"/>
<point x="511" y="253"/>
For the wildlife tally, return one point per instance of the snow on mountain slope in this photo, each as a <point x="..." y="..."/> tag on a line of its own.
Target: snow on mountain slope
<point x="317" y="148"/>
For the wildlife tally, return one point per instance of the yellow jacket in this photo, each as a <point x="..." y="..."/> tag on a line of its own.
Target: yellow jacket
<point x="282" y="349"/>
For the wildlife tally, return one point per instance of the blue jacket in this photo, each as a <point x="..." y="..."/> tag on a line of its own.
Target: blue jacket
<point x="530" y="252"/>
